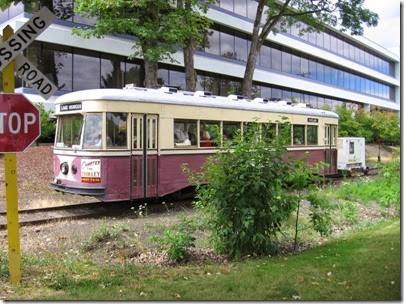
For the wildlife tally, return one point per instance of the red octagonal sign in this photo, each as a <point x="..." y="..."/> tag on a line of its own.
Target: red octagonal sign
<point x="19" y="123"/>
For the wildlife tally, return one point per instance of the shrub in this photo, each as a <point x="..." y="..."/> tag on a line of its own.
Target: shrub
<point x="102" y="234"/>
<point x="350" y="211"/>
<point x="241" y="192"/>
<point x="303" y="175"/>
<point x="48" y="125"/>
<point x="175" y="243"/>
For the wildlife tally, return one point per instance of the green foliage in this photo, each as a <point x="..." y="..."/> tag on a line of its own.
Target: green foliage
<point x="384" y="190"/>
<point x="370" y="125"/>
<point x="386" y="125"/>
<point x="175" y="243"/>
<point x="303" y="175"/>
<point x="350" y="211"/>
<point x="104" y="233"/>
<point x="3" y="267"/>
<point x="48" y="125"/>
<point x="240" y="191"/>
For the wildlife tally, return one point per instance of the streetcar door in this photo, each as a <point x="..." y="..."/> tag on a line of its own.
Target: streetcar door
<point x="330" y="140"/>
<point x="144" y="156"/>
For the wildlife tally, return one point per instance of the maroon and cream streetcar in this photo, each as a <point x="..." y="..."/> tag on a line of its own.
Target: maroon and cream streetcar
<point x="130" y="144"/>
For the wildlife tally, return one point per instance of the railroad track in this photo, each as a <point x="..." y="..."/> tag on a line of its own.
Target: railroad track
<point x="115" y="209"/>
<point x="92" y="210"/>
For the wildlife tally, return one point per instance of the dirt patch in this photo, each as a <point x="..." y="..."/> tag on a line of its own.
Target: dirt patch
<point x="372" y="152"/>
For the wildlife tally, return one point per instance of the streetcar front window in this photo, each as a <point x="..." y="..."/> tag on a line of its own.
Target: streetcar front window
<point x="69" y="130"/>
<point x="93" y="131"/>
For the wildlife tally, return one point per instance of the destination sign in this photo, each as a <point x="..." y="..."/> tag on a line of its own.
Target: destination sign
<point x="312" y="119"/>
<point x="70" y="107"/>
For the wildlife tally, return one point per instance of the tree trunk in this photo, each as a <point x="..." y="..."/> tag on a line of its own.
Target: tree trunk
<point x="150" y="79"/>
<point x="190" y="74"/>
<point x="246" y="87"/>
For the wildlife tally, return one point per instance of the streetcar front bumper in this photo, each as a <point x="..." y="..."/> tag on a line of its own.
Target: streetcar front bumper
<point x="93" y="191"/>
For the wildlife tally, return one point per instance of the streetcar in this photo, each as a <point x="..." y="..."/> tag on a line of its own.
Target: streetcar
<point x="130" y="144"/>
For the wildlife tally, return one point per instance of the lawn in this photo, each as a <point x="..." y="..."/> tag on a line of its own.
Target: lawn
<point x="360" y="265"/>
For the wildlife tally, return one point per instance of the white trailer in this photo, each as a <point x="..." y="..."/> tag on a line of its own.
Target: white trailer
<point x="351" y="155"/>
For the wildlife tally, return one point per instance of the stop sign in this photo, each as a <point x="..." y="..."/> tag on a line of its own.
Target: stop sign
<point x="19" y="123"/>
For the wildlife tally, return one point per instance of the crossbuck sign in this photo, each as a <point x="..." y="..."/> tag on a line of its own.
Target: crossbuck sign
<point x="20" y="40"/>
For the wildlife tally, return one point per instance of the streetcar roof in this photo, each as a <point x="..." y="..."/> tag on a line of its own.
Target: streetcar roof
<point x="188" y="99"/>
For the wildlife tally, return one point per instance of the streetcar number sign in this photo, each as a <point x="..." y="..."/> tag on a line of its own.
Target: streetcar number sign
<point x="19" y="123"/>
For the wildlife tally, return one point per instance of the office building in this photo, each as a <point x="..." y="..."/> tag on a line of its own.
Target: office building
<point x="328" y="68"/>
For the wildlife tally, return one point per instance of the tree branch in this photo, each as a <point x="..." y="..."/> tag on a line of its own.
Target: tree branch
<point x="270" y="24"/>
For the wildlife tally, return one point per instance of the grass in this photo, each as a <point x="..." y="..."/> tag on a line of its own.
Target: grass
<point x="363" y="265"/>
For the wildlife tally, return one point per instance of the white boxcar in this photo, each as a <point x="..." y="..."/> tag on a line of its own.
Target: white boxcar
<point x="351" y="155"/>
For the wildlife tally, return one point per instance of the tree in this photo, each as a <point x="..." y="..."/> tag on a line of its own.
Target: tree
<point x="348" y="14"/>
<point x="154" y="23"/>
<point x="194" y="29"/>
<point x="347" y="126"/>
<point x="386" y="126"/>
<point x="48" y="125"/>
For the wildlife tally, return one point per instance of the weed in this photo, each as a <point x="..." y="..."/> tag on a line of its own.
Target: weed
<point x="175" y="243"/>
<point x="350" y="211"/>
<point x="3" y="267"/>
<point x="142" y="210"/>
<point x="104" y="233"/>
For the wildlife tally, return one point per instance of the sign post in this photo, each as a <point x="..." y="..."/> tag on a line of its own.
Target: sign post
<point x="19" y="119"/>
<point x="10" y="164"/>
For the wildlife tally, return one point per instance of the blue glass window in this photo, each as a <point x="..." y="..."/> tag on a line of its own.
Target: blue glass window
<point x="286" y="62"/>
<point x="265" y="56"/>
<point x="240" y="7"/>
<point x="327" y="74"/>
<point x="241" y="49"/>
<point x="296" y="66"/>
<point x="304" y="67"/>
<point x="227" y="5"/>
<point x="276" y="59"/>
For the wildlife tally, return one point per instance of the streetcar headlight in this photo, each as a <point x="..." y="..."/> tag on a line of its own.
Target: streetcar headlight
<point x="74" y="169"/>
<point x="64" y="168"/>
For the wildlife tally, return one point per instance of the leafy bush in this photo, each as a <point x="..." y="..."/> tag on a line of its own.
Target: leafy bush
<point x="350" y="211"/>
<point x="320" y="208"/>
<point x="175" y="243"/>
<point x="48" y="125"/>
<point x="102" y="234"/>
<point x="241" y="192"/>
<point x="370" y="125"/>
<point x="303" y="175"/>
<point x="384" y="190"/>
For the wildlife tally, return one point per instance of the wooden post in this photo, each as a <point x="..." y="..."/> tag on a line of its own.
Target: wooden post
<point x="10" y="165"/>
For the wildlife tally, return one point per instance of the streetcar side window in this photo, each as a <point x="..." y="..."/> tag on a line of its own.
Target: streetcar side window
<point x="117" y="127"/>
<point x="230" y="128"/>
<point x="284" y="130"/>
<point x="185" y="133"/>
<point x="312" y="135"/>
<point x="268" y="131"/>
<point x="208" y="133"/>
<point x="93" y="131"/>
<point x="298" y="135"/>
<point x="69" y="130"/>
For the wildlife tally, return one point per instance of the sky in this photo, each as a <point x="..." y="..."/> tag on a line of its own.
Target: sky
<point x="387" y="32"/>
